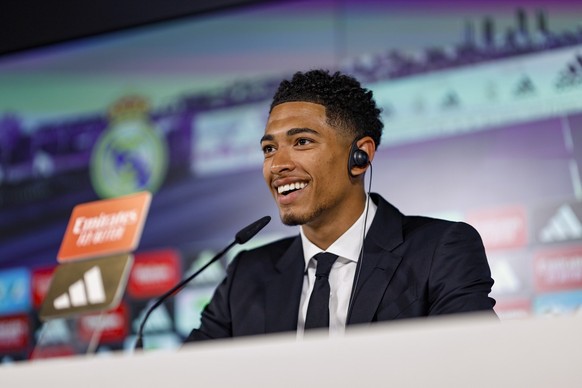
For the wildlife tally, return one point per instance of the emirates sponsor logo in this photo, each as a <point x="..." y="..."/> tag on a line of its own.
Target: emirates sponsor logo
<point x="513" y="309"/>
<point x="41" y="285"/>
<point x="505" y="228"/>
<point x="113" y="325"/>
<point x="564" y="225"/>
<point x="104" y="227"/>
<point x="156" y="273"/>
<point x="109" y="321"/>
<point x="12" y="332"/>
<point x="501" y="232"/>
<point x="559" y="270"/>
<point x="41" y="280"/>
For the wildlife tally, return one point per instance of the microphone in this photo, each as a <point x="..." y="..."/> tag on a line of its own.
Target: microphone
<point x="241" y="237"/>
<point x="248" y="232"/>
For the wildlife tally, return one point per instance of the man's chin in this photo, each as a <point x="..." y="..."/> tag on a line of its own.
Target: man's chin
<point x="291" y="220"/>
<point x="294" y="219"/>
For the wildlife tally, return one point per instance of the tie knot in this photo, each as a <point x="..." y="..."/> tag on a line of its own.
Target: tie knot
<point x="324" y="262"/>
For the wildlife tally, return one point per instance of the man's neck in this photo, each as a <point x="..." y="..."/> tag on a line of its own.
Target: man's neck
<point x="323" y="233"/>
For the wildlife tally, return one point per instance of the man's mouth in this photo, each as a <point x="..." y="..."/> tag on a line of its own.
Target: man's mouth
<point x="291" y="187"/>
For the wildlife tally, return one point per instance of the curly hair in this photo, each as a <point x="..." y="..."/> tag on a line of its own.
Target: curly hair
<point x="347" y="104"/>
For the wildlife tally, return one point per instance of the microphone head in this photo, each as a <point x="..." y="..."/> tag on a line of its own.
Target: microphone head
<point x="249" y="232"/>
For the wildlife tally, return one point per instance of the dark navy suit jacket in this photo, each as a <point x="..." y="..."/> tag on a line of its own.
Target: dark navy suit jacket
<point x="412" y="267"/>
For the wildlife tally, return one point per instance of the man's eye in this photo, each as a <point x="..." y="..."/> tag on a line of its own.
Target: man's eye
<point x="268" y="149"/>
<point x="303" y="141"/>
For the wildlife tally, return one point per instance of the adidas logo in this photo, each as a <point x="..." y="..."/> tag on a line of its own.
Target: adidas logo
<point x="53" y="332"/>
<point x="571" y="75"/>
<point x="159" y="320"/>
<point x="451" y="100"/>
<point x="506" y="280"/>
<point x="85" y="291"/>
<point x="525" y="86"/>
<point x="564" y="225"/>
<point x="213" y="274"/>
<point x="86" y="285"/>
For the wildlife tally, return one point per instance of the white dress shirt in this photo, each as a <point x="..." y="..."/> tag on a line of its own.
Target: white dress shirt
<point x="347" y="247"/>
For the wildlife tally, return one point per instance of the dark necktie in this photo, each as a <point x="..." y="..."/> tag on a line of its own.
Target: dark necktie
<point x="318" y="308"/>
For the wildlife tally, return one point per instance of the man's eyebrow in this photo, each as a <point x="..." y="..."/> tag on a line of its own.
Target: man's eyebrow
<point x="291" y="132"/>
<point x="295" y="131"/>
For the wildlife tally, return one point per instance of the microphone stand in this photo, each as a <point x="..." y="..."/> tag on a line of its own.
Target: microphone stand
<point x="241" y="237"/>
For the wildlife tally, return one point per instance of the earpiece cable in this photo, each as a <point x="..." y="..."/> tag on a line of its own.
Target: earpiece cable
<point x="361" y="259"/>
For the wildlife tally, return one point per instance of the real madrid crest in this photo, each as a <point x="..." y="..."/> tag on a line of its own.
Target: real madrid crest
<point x="129" y="156"/>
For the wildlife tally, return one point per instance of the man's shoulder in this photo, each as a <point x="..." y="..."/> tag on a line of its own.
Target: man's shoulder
<point x="265" y="258"/>
<point x="420" y="221"/>
<point x="275" y="248"/>
<point x="413" y="225"/>
<point x="436" y="228"/>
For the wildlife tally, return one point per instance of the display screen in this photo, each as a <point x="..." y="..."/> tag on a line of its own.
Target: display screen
<point x="483" y="123"/>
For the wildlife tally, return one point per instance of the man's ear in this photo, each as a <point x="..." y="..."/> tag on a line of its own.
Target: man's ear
<point x="365" y="144"/>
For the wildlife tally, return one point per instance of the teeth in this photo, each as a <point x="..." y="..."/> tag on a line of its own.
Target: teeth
<point x="291" y="186"/>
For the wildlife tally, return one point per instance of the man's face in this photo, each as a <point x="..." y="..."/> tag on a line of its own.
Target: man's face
<point x="305" y="164"/>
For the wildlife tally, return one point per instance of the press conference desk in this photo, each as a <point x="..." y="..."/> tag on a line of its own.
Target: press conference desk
<point x="468" y="352"/>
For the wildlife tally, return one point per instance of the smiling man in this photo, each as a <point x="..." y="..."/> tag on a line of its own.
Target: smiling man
<point x="357" y="259"/>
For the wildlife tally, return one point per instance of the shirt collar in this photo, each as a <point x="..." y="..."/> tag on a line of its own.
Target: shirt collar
<point x="344" y="246"/>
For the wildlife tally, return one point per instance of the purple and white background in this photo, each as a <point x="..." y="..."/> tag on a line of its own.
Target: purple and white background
<point x="482" y="105"/>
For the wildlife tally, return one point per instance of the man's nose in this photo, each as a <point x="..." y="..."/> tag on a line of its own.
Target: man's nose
<point x="282" y="161"/>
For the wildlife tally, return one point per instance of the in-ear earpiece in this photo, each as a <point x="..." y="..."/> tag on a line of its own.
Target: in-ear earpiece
<point x="358" y="158"/>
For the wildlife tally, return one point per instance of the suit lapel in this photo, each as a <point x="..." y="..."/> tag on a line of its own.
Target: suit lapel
<point x="283" y="290"/>
<point x="379" y="264"/>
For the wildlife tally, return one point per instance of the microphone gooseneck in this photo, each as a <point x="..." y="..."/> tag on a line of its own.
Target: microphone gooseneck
<point x="241" y="237"/>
